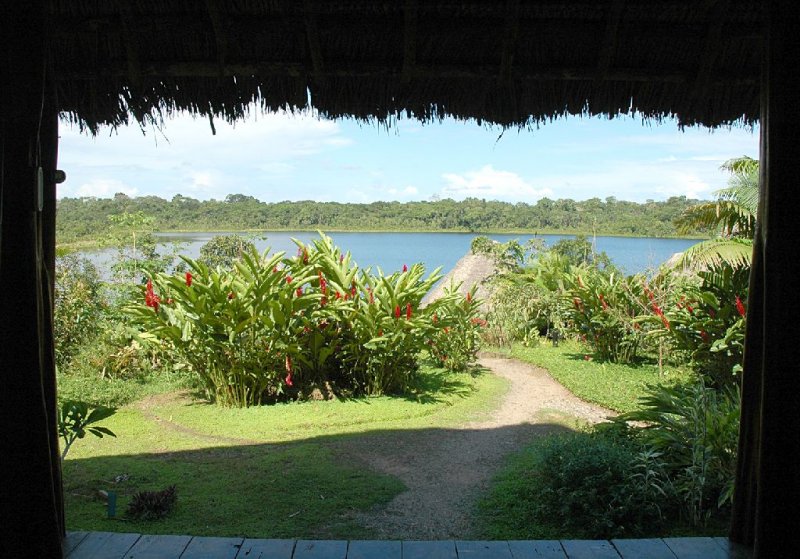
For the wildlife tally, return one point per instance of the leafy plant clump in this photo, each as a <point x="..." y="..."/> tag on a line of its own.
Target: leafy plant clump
<point x="578" y="485"/>
<point x="693" y="430"/>
<point x="274" y="327"/>
<point x="152" y="505"/>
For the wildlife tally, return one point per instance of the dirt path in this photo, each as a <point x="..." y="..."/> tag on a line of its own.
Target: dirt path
<point x="446" y="469"/>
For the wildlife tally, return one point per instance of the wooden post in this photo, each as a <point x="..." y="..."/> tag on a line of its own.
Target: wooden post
<point x="31" y="502"/>
<point x="767" y="498"/>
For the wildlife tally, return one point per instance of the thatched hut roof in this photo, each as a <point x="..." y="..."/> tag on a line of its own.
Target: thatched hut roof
<point x="514" y="63"/>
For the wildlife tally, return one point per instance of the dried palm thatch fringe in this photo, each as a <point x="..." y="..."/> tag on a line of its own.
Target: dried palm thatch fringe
<point x="517" y="63"/>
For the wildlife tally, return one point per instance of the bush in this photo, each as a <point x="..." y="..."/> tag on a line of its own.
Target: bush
<point x="707" y="322"/>
<point x="694" y="430"/>
<point x="224" y="250"/>
<point x="274" y="327"/>
<point x="577" y="485"/>
<point x="603" y="307"/>
<point x="79" y="306"/>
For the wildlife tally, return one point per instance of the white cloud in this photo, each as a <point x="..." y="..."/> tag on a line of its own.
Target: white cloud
<point x="271" y="145"/>
<point x="98" y="188"/>
<point x="491" y="184"/>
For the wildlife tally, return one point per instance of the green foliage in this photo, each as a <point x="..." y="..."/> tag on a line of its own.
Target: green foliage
<point x="276" y="326"/>
<point x="455" y="341"/>
<point x="79" y="306"/>
<point x="224" y="250"/>
<point x="693" y="431"/>
<point x="580" y="252"/>
<point x="75" y="419"/>
<point x="152" y="505"/>
<point x="707" y="321"/>
<point x="577" y="485"/>
<point x="603" y="311"/>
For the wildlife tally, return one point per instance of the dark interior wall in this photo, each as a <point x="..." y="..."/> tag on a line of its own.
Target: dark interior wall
<point x="767" y="500"/>
<point x="31" y="505"/>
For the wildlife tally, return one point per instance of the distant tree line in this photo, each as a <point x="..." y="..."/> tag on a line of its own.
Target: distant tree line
<point x="88" y="218"/>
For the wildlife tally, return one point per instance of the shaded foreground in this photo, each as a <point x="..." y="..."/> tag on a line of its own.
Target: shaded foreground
<point x="91" y="545"/>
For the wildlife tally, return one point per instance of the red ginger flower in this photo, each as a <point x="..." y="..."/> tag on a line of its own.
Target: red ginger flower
<point x="231" y="295"/>
<point x="740" y="306"/>
<point x="469" y="296"/>
<point x="288" y="380"/>
<point x="408" y="311"/>
<point x="299" y="292"/>
<point x="288" y="279"/>
<point x="323" y="284"/>
<point x="150" y="298"/>
<point x="188" y="279"/>
<point x="397" y="311"/>
<point x="405" y="268"/>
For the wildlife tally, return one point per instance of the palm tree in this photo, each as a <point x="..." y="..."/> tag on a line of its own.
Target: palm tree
<point x="734" y="216"/>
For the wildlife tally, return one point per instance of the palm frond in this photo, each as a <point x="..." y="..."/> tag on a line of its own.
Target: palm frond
<point x="732" y="217"/>
<point x="739" y="165"/>
<point x="714" y="253"/>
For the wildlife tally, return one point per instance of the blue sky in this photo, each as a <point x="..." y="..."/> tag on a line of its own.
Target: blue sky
<point x="281" y="156"/>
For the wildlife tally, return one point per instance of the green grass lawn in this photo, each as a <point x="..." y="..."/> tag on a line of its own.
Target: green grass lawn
<point x="269" y="471"/>
<point x="614" y="386"/>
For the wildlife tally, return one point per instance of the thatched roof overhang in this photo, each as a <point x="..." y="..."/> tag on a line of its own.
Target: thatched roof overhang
<point x="513" y="63"/>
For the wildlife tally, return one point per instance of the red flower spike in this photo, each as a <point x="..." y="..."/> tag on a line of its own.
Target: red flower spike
<point x="288" y="279"/>
<point x="323" y="301"/>
<point x="305" y="256"/>
<point x="405" y="268"/>
<point x="435" y="318"/>
<point x="274" y="269"/>
<point x="231" y="295"/>
<point x="371" y="297"/>
<point x="338" y="295"/>
<point x="188" y="279"/>
<point x="469" y="297"/>
<point x="288" y="380"/>
<point x="299" y="292"/>
<point x="704" y="336"/>
<point x="353" y="290"/>
<point x="408" y="311"/>
<point x="665" y="321"/>
<point x="397" y="311"/>
<point x="740" y="306"/>
<point x="288" y="364"/>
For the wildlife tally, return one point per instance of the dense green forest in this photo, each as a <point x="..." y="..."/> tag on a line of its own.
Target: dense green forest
<point x="87" y="218"/>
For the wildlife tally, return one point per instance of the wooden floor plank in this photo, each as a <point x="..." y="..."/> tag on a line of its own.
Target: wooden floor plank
<point x="375" y="549"/>
<point x="734" y="550"/>
<point x="696" y="548"/>
<point x="212" y="548"/>
<point x="71" y="541"/>
<point x="542" y="549"/>
<point x="320" y="549"/>
<point x="266" y="549"/>
<point x="158" y="547"/>
<point x="649" y="548"/>
<point x="429" y="550"/>
<point x="589" y="549"/>
<point x="483" y="550"/>
<point x="104" y="545"/>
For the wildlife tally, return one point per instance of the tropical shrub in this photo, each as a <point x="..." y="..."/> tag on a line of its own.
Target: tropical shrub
<point x="707" y="323"/>
<point x="224" y="250"/>
<point x="693" y="430"/>
<point x="79" y="306"/>
<point x="455" y="340"/>
<point x="274" y="327"/>
<point x="579" y="485"/>
<point x="602" y="312"/>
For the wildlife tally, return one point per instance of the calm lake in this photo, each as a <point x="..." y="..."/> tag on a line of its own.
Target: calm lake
<point x="390" y="251"/>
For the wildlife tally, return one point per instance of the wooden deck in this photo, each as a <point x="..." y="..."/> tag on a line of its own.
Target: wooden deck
<point x="110" y="545"/>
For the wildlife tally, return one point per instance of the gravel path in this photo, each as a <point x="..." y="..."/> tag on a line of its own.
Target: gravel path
<point x="445" y="470"/>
